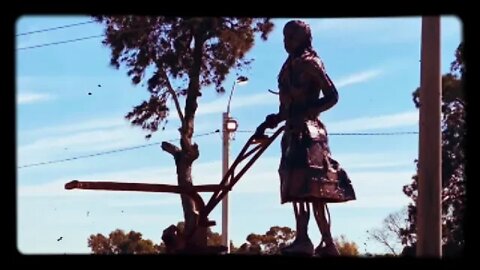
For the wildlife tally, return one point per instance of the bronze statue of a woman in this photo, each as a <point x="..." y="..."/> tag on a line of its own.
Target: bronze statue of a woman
<point x="308" y="173"/>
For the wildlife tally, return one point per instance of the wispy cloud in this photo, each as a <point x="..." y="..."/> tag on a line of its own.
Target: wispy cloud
<point x="55" y="189"/>
<point x="379" y="30"/>
<point x="87" y="125"/>
<point x="56" y="146"/>
<point x="219" y="105"/>
<point x="363" y="161"/>
<point x="202" y="174"/>
<point x="333" y="25"/>
<point x="261" y="178"/>
<point x="369" y="30"/>
<point x="158" y="202"/>
<point x="402" y="119"/>
<point x="374" y="189"/>
<point x="359" y="77"/>
<point x="379" y="189"/>
<point x="29" y="98"/>
<point x="107" y="134"/>
<point x="91" y="136"/>
<point x="239" y="102"/>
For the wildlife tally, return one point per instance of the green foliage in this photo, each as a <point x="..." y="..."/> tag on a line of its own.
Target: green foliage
<point x="278" y="237"/>
<point x="179" y="53"/>
<point x="120" y="243"/>
<point x="269" y="243"/>
<point x="345" y="247"/>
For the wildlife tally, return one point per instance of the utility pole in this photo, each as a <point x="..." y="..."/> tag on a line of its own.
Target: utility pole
<point x="225" y="164"/>
<point x="429" y="208"/>
<point x="229" y="125"/>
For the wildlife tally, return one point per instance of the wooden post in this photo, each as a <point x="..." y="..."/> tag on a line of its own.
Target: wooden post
<point x="225" y="165"/>
<point x="429" y="211"/>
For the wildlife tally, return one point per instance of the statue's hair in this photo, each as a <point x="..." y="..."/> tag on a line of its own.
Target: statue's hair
<point x="306" y="47"/>
<point x="304" y="28"/>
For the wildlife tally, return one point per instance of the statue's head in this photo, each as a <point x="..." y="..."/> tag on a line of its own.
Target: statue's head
<point x="297" y="36"/>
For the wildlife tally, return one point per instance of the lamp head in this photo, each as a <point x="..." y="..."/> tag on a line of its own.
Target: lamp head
<point x="242" y="80"/>
<point x="231" y="125"/>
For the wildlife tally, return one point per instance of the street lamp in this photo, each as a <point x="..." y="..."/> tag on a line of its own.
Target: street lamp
<point x="229" y="125"/>
<point x="240" y="81"/>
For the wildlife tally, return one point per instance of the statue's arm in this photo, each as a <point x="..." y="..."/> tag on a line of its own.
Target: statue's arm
<point x="315" y="71"/>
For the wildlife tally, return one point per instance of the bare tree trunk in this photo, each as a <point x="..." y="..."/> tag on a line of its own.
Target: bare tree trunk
<point x="189" y="152"/>
<point x="190" y="213"/>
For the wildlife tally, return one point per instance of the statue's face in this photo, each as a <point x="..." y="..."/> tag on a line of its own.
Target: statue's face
<point x="293" y="37"/>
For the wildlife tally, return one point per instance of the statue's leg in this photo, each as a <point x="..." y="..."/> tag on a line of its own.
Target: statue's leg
<point x="327" y="246"/>
<point x="302" y="243"/>
<point x="302" y="217"/>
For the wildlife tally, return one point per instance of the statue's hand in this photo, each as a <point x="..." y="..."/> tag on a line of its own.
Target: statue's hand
<point x="259" y="135"/>
<point x="272" y="120"/>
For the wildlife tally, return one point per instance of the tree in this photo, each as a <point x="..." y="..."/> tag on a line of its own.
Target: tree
<point x="453" y="163"/>
<point x="269" y="243"/>
<point x="132" y="243"/>
<point x="120" y="243"/>
<point x="233" y="248"/>
<point x="390" y="234"/>
<point x="177" y="57"/>
<point x="345" y="247"/>
<point x="278" y="237"/>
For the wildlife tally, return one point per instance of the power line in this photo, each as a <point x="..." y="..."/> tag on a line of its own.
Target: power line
<point x="353" y="133"/>
<point x="373" y="133"/>
<point x="107" y="152"/>
<point x="54" y="28"/>
<point x="59" y="42"/>
<point x="206" y="134"/>
<point x="84" y="38"/>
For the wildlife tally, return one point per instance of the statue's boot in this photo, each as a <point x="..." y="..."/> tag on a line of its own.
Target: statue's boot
<point x="302" y="245"/>
<point x="327" y="247"/>
<point x="299" y="247"/>
<point x="327" y="250"/>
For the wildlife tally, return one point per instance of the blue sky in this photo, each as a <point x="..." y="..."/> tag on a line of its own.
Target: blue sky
<point x="374" y="63"/>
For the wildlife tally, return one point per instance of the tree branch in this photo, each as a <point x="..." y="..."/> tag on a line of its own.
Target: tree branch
<point x="174" y="95"/>
<point x="170" y="148"/>
<point x="382" y="238"/>
<point x="192" y="95"/>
